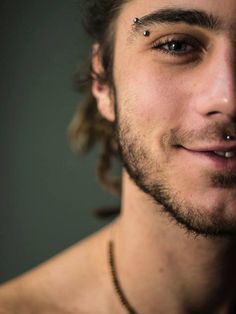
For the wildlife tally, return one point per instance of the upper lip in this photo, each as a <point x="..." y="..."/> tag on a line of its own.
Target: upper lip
<point x="223" y="147"/>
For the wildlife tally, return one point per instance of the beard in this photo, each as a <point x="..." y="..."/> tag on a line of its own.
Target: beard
<point x="140" y="165"/>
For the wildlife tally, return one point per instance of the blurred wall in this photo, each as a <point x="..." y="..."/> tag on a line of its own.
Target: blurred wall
<point x="47" y="194"/>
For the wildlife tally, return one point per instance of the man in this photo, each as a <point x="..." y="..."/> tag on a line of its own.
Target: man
<point x="164" y="75"/>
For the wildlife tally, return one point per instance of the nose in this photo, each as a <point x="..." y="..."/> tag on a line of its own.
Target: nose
<point x="216" y="89"/>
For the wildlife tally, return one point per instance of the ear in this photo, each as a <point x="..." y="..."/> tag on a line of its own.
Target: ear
<point x="101" y="91"/>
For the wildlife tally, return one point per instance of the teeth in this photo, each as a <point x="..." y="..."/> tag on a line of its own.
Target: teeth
<point x="230" y="154"/>
<point x="221" y="154"/>
<point x="226" y="154"/>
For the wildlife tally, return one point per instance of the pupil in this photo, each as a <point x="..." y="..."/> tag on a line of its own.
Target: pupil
<point x="176" y="46"/>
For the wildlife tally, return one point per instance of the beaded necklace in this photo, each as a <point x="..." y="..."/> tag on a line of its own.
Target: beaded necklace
<point x="116" y="282"/>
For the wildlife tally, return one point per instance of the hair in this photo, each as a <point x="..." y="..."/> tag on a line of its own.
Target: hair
<point x="88" y="127"/>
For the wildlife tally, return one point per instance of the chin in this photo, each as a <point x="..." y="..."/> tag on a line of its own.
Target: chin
<point x="211" y="216"/>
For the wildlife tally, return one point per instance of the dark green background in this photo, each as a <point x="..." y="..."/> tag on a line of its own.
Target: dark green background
<point x="47" y="194"/>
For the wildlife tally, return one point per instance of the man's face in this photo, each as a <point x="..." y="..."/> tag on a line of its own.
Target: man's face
<point x="176" y="98"/>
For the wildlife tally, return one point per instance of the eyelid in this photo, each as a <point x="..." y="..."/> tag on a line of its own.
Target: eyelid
<point x="187" y="38"/>
<point x="198" y="48"/>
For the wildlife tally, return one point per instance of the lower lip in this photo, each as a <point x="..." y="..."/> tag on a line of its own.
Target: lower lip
<point x="214" y="161"/>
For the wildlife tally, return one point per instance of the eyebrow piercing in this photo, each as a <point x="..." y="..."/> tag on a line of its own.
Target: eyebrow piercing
<point x="146" y="33"/>
<point x="136" y="20"/>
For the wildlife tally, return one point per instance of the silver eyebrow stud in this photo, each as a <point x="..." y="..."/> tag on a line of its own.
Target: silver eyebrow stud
<point x="146" y="33"/>
<point x="136" y="21"/>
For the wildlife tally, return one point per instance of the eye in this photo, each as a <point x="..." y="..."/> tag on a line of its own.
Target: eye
<point x="178" y="46"/>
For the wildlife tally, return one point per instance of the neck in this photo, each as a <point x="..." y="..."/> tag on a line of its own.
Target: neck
<point x="163" y="268"/>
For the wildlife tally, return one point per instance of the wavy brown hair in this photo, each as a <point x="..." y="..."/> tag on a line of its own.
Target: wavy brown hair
<point x="88" y="127"/>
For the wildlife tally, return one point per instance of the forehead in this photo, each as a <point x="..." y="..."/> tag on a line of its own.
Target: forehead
<point x="225" y="10"/>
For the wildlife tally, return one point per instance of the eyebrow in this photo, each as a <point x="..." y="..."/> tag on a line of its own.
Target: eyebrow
<point x="176" y="15"/>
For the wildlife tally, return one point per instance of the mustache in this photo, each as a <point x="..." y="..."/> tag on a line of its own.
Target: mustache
<point x="213" y="132"/>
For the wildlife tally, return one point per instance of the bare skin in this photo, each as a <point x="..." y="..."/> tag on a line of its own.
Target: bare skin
<point x="163" y="267"/>
<point x="78" y="280"/>
<point x="75" y="281"/>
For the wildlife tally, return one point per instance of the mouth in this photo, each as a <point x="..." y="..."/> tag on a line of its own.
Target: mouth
<point x="225" y="154"/>
<point x="217" y="158"/>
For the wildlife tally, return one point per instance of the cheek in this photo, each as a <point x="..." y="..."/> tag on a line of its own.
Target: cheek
<point x="154" y="96"/>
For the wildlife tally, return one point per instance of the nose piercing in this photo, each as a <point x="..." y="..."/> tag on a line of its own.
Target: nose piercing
<point x="228" y="138"/>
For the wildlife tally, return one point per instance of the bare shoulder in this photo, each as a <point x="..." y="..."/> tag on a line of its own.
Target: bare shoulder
<point x="7" y="300"/>
<point x="65" y="284"/>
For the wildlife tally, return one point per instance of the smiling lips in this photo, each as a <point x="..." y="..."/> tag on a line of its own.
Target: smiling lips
<point x="221" y="156"/>
<point x="221" y="150"/>
<point x="218" y="157"/>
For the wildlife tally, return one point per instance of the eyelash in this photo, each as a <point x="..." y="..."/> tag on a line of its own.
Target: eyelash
<point x="196" y="46"/>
